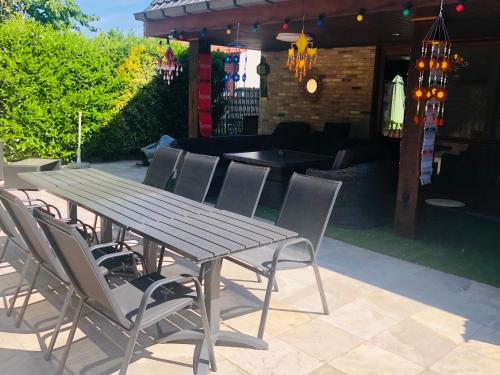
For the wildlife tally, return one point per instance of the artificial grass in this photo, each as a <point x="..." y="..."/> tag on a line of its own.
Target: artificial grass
<point x="451" y="241"/>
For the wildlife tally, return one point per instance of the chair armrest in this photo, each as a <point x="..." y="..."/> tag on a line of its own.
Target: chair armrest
<point x="101" y="245"/>
<point x="289" y="243"/>
<point x="102" y="259"/>
<point x="157" y="284"/>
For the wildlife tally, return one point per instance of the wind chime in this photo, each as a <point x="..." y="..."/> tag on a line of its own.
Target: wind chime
<point x="433" y="66"/>
<point x="302" y="55"/>
<point x="232" y="63"/>
<point x="169" y="65"/>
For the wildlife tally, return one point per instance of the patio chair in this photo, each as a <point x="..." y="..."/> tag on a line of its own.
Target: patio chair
<point x="42" y="255"/>
<point x="162" y="167"/>
<point x="306" y="210"/>
<point x="132" y="306"/>
<point x="195" y="176"/>
<point x="241" y="191"/>
<point x="159" y="173"/>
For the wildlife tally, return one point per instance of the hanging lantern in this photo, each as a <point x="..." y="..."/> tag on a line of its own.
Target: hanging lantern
<point x="232" y="64"/>
<point x="169" y="65"/>
<point x="301" y="56"/>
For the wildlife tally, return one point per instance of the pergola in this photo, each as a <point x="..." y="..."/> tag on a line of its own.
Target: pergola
<point x="204" y="23"/>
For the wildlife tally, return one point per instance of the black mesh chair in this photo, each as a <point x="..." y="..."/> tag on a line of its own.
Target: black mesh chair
<point x="132" y="306"/>
<point x="306" y="210"/>
<point x="41" y="254"/>
<point x="242" y="188"/>
<point x="195" y="176"/>
<point x="162" y="167"/>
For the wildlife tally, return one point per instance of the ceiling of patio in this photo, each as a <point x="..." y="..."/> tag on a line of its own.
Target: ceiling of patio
<point x="383" y="23"/>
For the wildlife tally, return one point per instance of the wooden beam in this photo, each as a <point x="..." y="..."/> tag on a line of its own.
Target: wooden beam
<point x="411" y="148"/>
<point x="271" y="13"/>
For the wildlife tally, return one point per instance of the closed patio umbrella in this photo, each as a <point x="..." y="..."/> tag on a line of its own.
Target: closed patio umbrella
<point x="397" y="111"/>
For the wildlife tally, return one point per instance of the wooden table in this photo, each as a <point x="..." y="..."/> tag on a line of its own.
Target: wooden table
<point x="196" y="231"/>
<point x="283" y="164"/>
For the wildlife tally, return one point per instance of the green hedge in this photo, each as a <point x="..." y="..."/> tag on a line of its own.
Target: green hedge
<point x="47" y="76"/>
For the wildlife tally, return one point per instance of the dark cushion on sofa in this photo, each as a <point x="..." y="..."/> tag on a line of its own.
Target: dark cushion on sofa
<point x="289" y="135"/>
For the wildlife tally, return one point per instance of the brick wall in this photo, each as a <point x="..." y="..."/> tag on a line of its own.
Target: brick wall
<point x="346" y="94"/>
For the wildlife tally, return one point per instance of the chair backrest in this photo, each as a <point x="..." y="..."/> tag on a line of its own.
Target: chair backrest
<point x="31" y="234"/>
<point x="162" y="167"/>
<point x="195" y="176"/>
<point x="6" y="224"/>
<point x="241" y="189"/>
<point x="80" y="265"/>
<point x="308" y="205"/>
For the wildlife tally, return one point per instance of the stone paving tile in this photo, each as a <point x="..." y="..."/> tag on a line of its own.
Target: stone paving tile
<point x="281" y="358"/>
<point x="321" y="340"/>
<point x="355" y="318"/>
<point x="370" y="359"/>
<point x="453" y="327"/>
<point x="462" y="361"/>
<point x="414" y="341"/>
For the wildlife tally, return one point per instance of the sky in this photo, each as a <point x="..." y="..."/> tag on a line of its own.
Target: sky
<point x="115" y="14"/>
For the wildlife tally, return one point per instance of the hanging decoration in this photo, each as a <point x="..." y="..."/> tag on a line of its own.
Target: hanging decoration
<point x="302" y="55"/>
<point x="433" y="66"/>
<point x="169" y="65"/>
<point x="232" y="64"/>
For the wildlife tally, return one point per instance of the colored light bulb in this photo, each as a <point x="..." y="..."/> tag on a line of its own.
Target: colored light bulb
<point x="255" y="27"/>
<point x="459" y="7"/>
<point x="360" y="18"/>
<point x="236" y="77"/>
<point x="406" y="12"/>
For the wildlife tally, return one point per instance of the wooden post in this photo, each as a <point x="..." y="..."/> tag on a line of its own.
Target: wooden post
<point x="194" y="53"/>
<point x="411" y="148"/>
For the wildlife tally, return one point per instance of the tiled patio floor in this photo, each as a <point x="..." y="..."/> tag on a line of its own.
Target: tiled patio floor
<point x="387" y="317"/>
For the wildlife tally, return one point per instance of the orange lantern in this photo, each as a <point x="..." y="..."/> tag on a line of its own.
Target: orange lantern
<point x="421" y="64"/>
<point x="440" y="94"/>
<point x="418" y="93"/>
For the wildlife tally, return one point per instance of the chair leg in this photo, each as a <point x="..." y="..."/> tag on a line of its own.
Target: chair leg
<point x="28" y="296"/>
<point x="160" y="261"/>
<point x="4" y="249"/>
<point x="129" y="351"/>
<point x="320" y="288"/>
<point x="275" y="284"/>
<point x="71" y="336"/>
<point x="259" y="278"/>
<point x="201" y="274"/>
<point x="59" y="323"/>
<point x="26" y="266"/>
<point x="265" y="308"/>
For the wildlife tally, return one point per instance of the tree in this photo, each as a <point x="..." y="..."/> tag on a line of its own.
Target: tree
<point x="58" y="13"/>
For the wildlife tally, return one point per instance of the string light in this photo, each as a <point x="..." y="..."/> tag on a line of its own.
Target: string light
<point x="203" y="33"/>
<point x="361" y="15"/>
<point x="255" y="27"/>
<point x="181" y="35"/>
<point x="229" y="29"/>
<point x="407" y="9"/>
<point x="321" y="20"/>
<point x="460" y="6"/>
<point x="286" y="23"/>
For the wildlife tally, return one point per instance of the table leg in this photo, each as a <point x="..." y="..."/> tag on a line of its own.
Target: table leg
<point x="106" y="230"/>
<point x="150" y="249"/>
<point x="221" y="338"/>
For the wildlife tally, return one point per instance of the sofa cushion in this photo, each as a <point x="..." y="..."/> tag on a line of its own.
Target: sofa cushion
<point x="289" y="135"/>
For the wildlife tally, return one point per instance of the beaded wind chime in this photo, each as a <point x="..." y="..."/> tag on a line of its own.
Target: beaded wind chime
<point x="302" y="55"/>
<point x="232" y="63"/>
<point x="169" y="65"/>
<point x="433" y="66"/>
